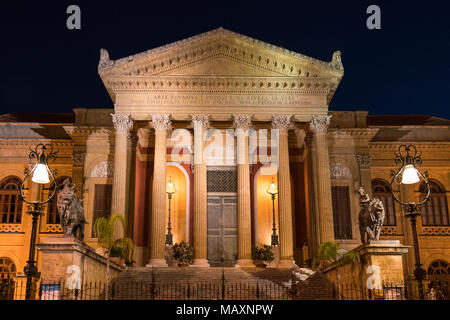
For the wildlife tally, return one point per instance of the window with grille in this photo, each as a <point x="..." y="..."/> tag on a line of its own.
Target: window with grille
<point x="382" y="190"/>
<point x="341" y="212"/>
<point x="102" y="202"/>
<point x="222" y="180"/>
<point x="439" y="269"/>
<point x="435" y="210"/>
<point x="7" y="268"/>
<point x="10" y="202"/>
<point x="52" y="213"/>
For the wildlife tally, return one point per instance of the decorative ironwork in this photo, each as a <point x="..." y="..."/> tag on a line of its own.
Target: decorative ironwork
<point x="408" y="156"/>
<point x="41" y="155"/>
<point x="222" y="180"/>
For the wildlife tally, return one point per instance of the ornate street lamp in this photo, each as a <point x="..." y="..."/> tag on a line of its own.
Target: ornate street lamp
<point x="170" y="191"/>
<point x="39" y="173"/>
<point x="273" y="191"/>
<point x="407" y="173"/>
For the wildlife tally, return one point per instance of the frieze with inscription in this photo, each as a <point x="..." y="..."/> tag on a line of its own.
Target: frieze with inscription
<point x="216" y="100"/>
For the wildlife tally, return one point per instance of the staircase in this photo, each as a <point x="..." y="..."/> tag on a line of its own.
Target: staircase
<point x="229" y="283"/>
<point x="194" y="283"/>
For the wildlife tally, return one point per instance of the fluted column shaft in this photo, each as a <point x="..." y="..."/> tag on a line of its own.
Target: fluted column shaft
<point x="244" y="258"/>
<point x="119" y="202"/>
<point x="200" y="123"/>
<point x="161" y="124"/>
<point x="282" y="123"/>
<point x="319" y="125"/>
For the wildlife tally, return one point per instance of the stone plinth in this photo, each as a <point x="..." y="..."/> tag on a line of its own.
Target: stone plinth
<point x="382" y="261"/>
<point x="58" y="254"/>
<point x="276" y="255"/>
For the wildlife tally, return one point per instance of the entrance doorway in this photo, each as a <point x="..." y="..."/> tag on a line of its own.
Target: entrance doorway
<point x="222" y="230"/>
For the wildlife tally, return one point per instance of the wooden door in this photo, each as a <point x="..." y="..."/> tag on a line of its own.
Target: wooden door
<point x="222" y="230"/>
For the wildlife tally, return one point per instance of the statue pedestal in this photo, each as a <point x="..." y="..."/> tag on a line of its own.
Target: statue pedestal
<point x="385" y="255"/>
<point x="381" y="261"/>
<point x="65" y="257"/>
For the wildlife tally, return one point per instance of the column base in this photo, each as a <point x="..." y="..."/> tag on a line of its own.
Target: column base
<point x="286" y="264"/>
<point x="244" y="263"/>
<point x="203" y="263"/>
<point x="158" y="263"/>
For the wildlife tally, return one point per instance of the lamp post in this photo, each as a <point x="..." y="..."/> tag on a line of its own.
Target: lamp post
<point x="170" y="191"/>
<point x="39" y="174"/>
<point x="272" y="190"/>
<point x="407" y="173"/>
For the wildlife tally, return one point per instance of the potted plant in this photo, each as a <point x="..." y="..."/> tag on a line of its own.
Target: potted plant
<point x="262" y="255"/>
<point x="183" y="253"/>
<point x="104" y="229"/>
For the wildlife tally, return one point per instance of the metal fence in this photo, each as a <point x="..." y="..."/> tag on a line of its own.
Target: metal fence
<point x="214" y="290"/>
<point x="408" y="290"/>
<point x="133" y="290"/>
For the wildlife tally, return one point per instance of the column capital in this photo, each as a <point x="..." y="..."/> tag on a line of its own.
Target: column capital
<point x="281" y="122"/>
<point x="161" y="122"/>
<point x="363" y="160"/>
<point x="319" y="124"/>
<point x="78" y="158"/>
<point x="122" y="121"/>
<point x="203" y="118"/>
<point x="242" y="121"/>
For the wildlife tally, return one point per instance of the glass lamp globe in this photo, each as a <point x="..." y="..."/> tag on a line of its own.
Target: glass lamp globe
<point x="40" y="174"/>
<point x="272" y="188"/>
<point x="171" y="187"/>
<point x="409" y="175"/>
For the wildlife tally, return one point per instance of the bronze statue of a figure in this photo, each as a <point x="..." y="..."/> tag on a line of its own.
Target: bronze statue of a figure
<point x="371" y="217"/>
<point x="70" y="210"/>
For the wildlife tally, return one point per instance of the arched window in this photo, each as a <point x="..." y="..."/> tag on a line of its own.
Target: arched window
<point x="434" y="212"/>
<point x="382" y="191"/>
<point x="7" y="268"/>
<point x="52" y="212"/>
<point x="438" y="268"/>
<point x="10" y="202"/>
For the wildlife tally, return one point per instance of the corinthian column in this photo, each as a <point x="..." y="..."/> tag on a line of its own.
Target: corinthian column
<point x="244" y="259"/>
<point x="282" y="124"/>
<point x="119" y="202"/>
<point x="318" y="126"/>
<point x="200" y="122"/>
<point x="161" y="123"/>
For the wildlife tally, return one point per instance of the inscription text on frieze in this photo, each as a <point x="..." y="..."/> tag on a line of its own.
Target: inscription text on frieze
<point x="211" y="99"/>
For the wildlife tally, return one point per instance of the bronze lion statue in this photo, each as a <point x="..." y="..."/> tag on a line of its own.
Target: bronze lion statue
<point x="71" y="212"/>
<point x="371" y="217"/>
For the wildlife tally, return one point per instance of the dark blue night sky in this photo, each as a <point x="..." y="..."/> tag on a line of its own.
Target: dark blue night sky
<point x="402" y="68"/>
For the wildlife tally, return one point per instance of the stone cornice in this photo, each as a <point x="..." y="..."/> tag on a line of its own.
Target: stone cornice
<point x="421" y="145"/>
<point x="237" y="84"/>
<point x="218" y="41"/>
<point x="28" y="142"/>
<point x="88" y="131"/>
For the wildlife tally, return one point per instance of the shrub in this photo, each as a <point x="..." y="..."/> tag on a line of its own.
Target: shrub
<point x="263" y="252"/>
<point x="183" y="252"/>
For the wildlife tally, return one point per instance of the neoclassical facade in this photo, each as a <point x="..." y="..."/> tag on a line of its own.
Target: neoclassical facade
<point x="222" y="116"/>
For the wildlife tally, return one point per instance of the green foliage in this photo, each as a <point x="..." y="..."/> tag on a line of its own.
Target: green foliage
<point x="263" y="252"/>
<point x="328" y="252"/>
<point x="126" y="248"/>
<point x="183" y="252"/>
<point x="352" y="257"/>
<point x="104" y="229"/>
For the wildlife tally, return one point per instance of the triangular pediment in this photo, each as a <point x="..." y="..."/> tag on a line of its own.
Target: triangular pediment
<point x="193" y="54"/>
<point x="220" y="66"/>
